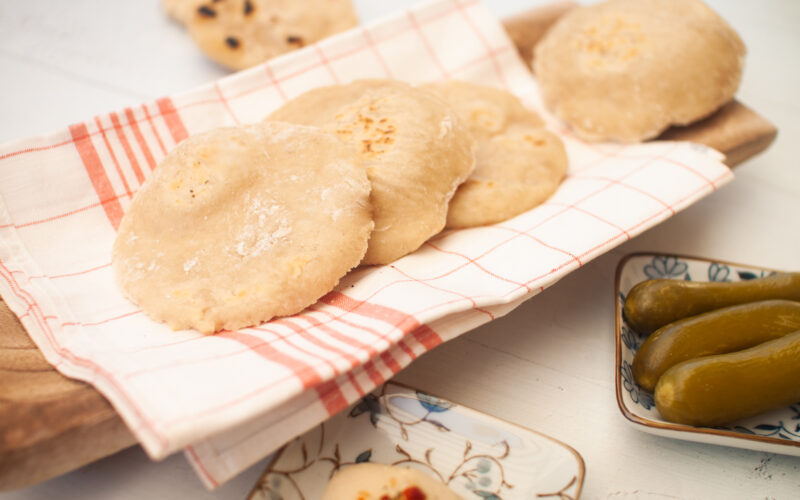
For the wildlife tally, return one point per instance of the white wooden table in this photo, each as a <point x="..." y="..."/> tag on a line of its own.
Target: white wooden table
<point x="548" y="365"/>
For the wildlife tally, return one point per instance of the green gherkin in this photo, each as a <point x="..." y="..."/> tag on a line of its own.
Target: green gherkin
<point x="654" y="303"/>
<point x="717" y="332"/>
<point x="719" y="389"/>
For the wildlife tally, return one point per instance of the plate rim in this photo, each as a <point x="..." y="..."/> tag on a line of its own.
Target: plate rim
<point x="668" y="428"/>
<point x="580" y="477"/>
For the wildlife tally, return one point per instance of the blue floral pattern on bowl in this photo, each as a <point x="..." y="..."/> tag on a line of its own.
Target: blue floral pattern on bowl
<point x="636" y="393"/>
<point x="777" y="431"/>
<point x="479" y="457"/>
<point x="718" y="272"/>
<point x="665" y="266"/>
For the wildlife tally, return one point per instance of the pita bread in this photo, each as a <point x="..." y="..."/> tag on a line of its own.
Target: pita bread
<point x="223" y="237"/>
<point x="625" y="70"/>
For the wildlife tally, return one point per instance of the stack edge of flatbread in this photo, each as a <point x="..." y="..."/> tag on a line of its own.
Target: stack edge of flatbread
<point x="242" y="224"/>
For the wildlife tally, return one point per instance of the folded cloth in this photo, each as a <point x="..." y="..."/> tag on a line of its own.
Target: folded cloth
<point x="232" y="398"/>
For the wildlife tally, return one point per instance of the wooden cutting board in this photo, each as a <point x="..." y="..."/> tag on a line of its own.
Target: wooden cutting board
<point x="50" y="424"/>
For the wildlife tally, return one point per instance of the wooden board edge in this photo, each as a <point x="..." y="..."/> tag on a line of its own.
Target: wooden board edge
<point x="49" y="424"/>
<point x="734" y="130"/>
<point x="65" y="451"/>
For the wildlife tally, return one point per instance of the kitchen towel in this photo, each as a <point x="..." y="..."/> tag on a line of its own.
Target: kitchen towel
<point x="230" y="399"/>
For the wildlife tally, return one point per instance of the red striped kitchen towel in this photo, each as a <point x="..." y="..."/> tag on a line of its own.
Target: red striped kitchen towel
<point x="231" y="398"/>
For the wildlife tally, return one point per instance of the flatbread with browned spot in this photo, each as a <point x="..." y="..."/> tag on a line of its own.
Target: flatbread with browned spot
<point x="239" y="34"/>
<point x="415" y="149"/>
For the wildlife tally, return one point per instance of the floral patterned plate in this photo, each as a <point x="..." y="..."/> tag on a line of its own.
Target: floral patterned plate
<point x="777" y="431"/>
<point x="478" y="456"/>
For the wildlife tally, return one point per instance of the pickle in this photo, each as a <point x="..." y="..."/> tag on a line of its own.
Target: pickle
<point x="654" y="303"/>
<point x="717" y="332"/>
<point x="719" y="389"/>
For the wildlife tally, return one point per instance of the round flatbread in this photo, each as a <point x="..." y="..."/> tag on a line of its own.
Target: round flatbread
<point x="377" y="481"/>
<point x="223" y="235"/>
<point x="625" y="70"/>
<point x="239" y="34"/>
<point x="415" y="150"/>
<point x="519" y="163"/>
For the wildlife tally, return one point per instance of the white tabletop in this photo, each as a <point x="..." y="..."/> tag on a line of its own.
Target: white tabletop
<point x="549" y="365"/>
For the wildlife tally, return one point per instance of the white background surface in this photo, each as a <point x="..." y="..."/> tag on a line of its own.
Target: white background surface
<point x="549" y="365"/>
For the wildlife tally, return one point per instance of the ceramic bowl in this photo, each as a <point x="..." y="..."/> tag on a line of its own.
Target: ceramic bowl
<point x="777" y="431"/>
<point x="478" y="456"/>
